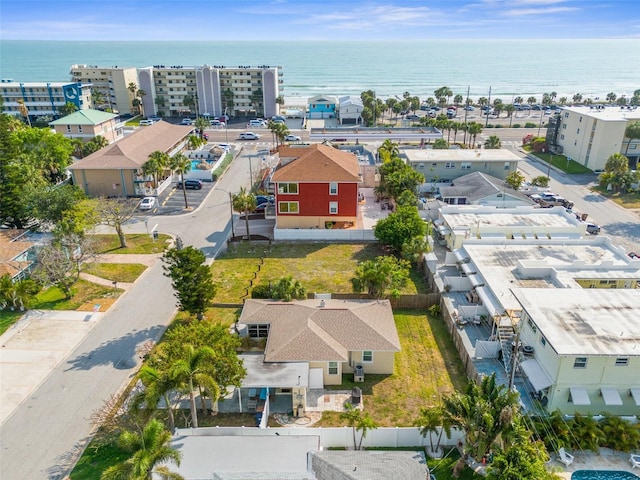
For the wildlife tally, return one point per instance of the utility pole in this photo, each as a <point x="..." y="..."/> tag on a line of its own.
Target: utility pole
<point x="486" y="122"/>
<point x="514" y="359"/>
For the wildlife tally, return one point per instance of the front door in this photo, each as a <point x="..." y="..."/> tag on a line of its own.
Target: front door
<point x="316" y="378"/>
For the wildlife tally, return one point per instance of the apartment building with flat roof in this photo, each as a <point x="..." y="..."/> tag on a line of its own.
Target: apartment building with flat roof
<point x="590" y="135"/>
<point x="39" y="99"/>
<point x="111" y="82"/>
<point x="176" y="90"/>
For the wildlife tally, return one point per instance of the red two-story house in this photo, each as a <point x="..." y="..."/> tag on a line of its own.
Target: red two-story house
<point x="316" y="186"/>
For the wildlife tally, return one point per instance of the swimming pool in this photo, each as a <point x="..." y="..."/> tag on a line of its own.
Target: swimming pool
<point x="602" y="475"/>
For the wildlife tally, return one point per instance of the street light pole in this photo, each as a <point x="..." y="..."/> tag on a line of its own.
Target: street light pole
<point x="549" y="167"/>
<point x="233" y="233"/>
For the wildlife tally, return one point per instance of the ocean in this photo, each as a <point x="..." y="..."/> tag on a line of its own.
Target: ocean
<point x="510" y="68"/>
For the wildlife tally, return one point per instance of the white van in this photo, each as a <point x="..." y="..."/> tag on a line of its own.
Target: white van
<point x="256" y="123"/>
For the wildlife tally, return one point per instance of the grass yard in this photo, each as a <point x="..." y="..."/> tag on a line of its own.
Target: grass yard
<point x="560" y="162"/>
<point x="626" y="200"/>
<point x="85" y="296"/>
<point x="8" y="318"/>
<point x="319" y="267"/>
<point x="136" y="244"/>
<point x="427" y="368"/>
<point x="96" y="459"/>
<point x="119" y="272"/>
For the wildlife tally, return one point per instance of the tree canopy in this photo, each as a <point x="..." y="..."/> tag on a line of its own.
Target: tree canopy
<point x="399" y="227"/>
<point x="191" y="279"/>
<point x="381" y="274"/>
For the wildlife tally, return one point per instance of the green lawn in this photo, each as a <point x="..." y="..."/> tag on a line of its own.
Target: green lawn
<point x="120" y="272"/>
<point x="626" y="200"/>
<point x="136" y="244"/>
<point x="319" y="267"/>
<point x="85" y="295"/>
<point x="96" y="459"/>
<point x="560" y="161"/>
<point x="8" y="318"/>
<point x="427" y="368"/>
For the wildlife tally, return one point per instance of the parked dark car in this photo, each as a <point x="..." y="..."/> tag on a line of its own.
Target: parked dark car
<point x="193" y="184"/>
<point x="260" y="199"/>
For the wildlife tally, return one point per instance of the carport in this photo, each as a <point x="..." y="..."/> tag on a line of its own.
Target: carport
<point x="281" y="378"/>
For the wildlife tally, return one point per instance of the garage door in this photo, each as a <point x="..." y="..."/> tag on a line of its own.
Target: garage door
<point x="316" y="378"/>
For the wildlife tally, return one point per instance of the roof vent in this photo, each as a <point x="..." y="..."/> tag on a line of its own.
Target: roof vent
<point x="322" y="304"/>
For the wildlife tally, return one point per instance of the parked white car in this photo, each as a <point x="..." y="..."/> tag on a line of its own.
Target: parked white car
<point x="147" y="203"/>
<point x="292" y="138"/>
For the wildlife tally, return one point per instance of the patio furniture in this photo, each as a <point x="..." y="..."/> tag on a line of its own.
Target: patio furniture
<point x="251" y="405"/>
<point x="634" y="460"/>
<point x="565" y="457"/>
<point x="356" y="395"/>
<point x="253" y="393"/>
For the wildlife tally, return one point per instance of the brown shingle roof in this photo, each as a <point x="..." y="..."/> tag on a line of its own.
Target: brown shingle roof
<point x="305" y="331"/>
<point x="317" y="163"/>
<point x="133" y="150"/>
<point x="10" y="248"/>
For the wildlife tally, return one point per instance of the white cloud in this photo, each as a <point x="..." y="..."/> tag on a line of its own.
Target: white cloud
<point x="518" y="12"/>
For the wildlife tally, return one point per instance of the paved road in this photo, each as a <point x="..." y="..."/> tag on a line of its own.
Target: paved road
<point x="620" y="224"/>
<point x="44" y="436"/>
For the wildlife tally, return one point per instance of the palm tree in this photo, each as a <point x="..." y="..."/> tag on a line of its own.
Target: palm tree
<point x="189" y="101"/>
<point x="228" y="99"/>
<point x="484" y="412"/>
<point x="632" y="132"/>
<point x="155" y="165"/>
<point x="531" y="100"/>
<point x="148" y="449"/>
<point x="577" y="98"/>
<point x="492" y="143"/>
<point x="562" y="100"/>
<point x="244" y="202"/>
<point x="279" y="131"/>
<point x="518" y="100"/>
<point x="288" y="289"/>
<point x="510" y="109"/>
<point x="158" y="385"/>
<point x="201" y="123"/>
<point x="482" y="101"/>
<point x="194" y="370"/>
<point x="133" y="88"/>
<point x="388" y="149"/>
<point x="432" y="420"/>
<point x="358" y="420"/>
<point x="141" y="94"/>
<point x="474" y="130"/>
<point x="256" y="100"/>
<point x="97" y="98"/>
<point x="611" y="97"/>
<point x="180" y="164"/>
<point x="457" y="100"/>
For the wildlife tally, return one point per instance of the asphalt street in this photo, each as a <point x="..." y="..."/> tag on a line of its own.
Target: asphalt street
<point x="47" y="432"/>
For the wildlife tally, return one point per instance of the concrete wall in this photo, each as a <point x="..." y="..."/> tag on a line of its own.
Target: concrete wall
<point x="336" y="437"/>
<point x="350" y="235"/>
<point x="105" y="183"/>
<point x="383" y="363"/>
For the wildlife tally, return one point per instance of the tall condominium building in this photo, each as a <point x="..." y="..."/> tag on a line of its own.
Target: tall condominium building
<point x="112" y="83"/>
<point x="178" y="90"/>
<point x="38" y="99"/>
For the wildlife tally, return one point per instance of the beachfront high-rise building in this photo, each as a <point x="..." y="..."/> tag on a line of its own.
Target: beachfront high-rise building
<point x="112" y="84"/>
<point x="178" y="90"/>
<point x="40" y="99"/>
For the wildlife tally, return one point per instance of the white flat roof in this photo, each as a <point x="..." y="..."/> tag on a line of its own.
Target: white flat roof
<point x="204" y="455"/>
<point x="274" y="374"/>
<point x="521" y="217"/>
<point x="460" y="155"/>
<point x="607" y="113"/>
<point x="554" y="264"/>
<point x="580" y="321"/>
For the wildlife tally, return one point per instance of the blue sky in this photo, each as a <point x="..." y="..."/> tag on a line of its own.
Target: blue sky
<point x="297" y="20"/>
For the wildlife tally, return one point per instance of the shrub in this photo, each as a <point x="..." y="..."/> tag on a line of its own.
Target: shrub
<point x="530" y="125"/>
<point x="490" y="125"/>
<point x="497" y="126"/>
<point x="262" y="290"/>
<point x="516" y="125"/>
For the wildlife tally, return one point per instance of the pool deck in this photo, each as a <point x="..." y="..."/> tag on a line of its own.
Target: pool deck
<point x="607" y="459"/>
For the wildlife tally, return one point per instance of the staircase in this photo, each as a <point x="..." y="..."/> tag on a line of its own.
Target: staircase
<point x="506" y="337"/>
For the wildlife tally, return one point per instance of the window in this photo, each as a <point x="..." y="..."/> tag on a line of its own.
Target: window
<point x="333" y="188"/>
<point x="421" y="166"/>
<point x="580" y="120"/>
<point x="367" y="356"/>
<point x="258" y="331"/>
<point x="290" y="188"/>
<point x="79" y="128"/>
<point x="68" y="128"/>
<point x="532" y="325"/>
<point x="622" y="361"/>
<point x="506" y="165"/>
<point x="578" y="131"/>
<point x="465" y="165"/>
<point x="562" y="137"/>
<point x="288" y="207"/>
<point x="543" y="340"/>
<point x="333" y="208"/>
<point x="449" y="165"/>
<point x="580" y="362"/>
<point x="333" y="368"/>
<point x="564" y="126"/>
